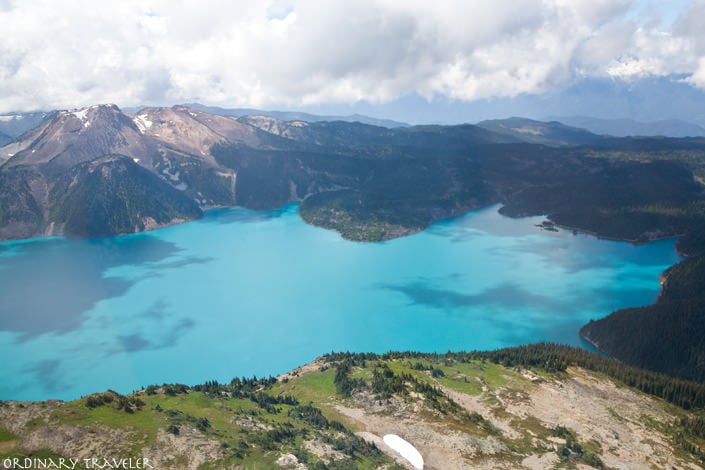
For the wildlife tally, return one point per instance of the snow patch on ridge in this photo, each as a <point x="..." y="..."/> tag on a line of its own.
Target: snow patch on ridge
<point x="80" y="113"/>
<point x="142" y="122"/>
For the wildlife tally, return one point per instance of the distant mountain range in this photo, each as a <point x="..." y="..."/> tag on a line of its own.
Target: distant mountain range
<point x="552" y="133"/>
<point x="647" y="99"/>
<point x="15" y="124"/>
<point x="629" y="127"/>
<point x="289" y="115"/>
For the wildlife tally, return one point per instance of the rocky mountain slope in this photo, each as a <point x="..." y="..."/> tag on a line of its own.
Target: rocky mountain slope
<point x="73" y="137"/>
<point x="296" y="115"/>
<point x="50" y="181"/>
<point x="459" y="411"/>
<point x="86" y="172"/>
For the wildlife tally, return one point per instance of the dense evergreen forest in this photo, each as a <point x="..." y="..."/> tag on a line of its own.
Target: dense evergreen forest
<point x="393" y="189"/>
<point x="667" y="336"/>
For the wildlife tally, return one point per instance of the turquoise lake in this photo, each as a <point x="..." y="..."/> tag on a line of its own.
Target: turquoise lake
<point x="242" y="293"/>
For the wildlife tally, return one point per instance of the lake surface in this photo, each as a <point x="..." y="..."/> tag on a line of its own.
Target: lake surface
<point x="242" y="292"/>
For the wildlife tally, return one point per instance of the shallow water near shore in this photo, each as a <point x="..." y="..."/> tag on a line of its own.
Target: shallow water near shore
<point x="245" y="292"/>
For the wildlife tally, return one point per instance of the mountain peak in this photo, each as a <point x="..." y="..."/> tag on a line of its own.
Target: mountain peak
<point x="551" y="133"/>
<point x="76" y="135"/>
<point x="86" y="112"/>
<point x="89" y="113"/>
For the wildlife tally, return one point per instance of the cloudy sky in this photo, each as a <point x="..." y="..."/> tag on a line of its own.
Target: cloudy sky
<point x="311" y="53"/>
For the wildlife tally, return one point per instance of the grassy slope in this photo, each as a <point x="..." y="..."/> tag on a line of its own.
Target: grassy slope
<point x="429" y="399"/>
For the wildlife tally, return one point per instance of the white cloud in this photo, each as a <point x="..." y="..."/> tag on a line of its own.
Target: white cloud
<point x="302" y="52"/>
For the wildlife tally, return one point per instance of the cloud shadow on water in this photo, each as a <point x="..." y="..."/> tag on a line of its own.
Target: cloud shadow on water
<point x="133" y="342"/>
<point x="422" y="292"/>
<point x="48" y="285"/>
<point x="48" y="374"/>
<point x="164" y="331"/>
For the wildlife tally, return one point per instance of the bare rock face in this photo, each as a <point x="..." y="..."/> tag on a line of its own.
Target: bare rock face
<point x="288" y="461"/>
<point x="188" y="450"/>
<point x="44" y="169"/>
<point x="295" y="130"/>
<point x="77" y="136"/>
<point x="194" y="132"/>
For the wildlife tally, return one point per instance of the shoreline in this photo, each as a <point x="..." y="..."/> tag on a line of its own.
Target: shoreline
<point x="150" y="227"/>
<point x="291" y="207"/>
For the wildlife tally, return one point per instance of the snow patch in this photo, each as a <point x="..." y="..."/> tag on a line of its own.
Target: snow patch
<point x="528" y="130"/>
<point x="10" y="118"/>
<point x="136" y="160"/>
<point x="80" y="113"/>
<point x="142" y="122"/>
<point x="406" y="450"/>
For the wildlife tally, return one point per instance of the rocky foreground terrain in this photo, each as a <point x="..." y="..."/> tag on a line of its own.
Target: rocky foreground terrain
<point x="335" y="412"/>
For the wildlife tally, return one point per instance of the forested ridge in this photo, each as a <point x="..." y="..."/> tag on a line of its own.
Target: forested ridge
<point x="667" y="336"/>
<point x="552" y="357"/>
